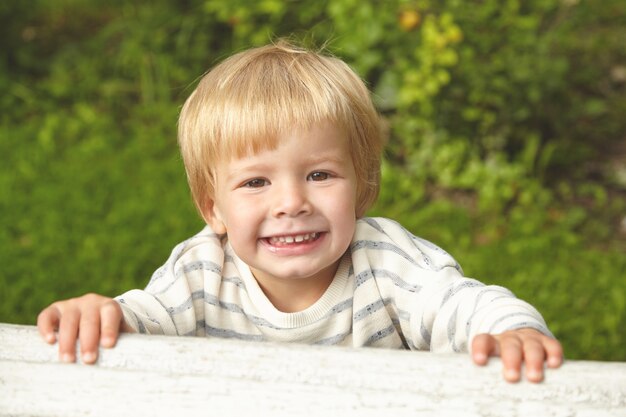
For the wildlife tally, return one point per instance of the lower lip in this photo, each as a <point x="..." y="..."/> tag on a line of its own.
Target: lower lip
<point x="293" y="249"/>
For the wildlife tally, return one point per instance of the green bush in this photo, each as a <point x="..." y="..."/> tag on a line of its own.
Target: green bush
<point x="500" y="115"/>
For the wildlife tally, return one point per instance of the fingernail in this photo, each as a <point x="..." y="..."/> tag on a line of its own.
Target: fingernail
<point x="89" y="357"/>
<point x="534" y="375"/>
<point x="511" y="375"/>
<point x="480" y="357"/>
<point x="553" y="362"/>
<point x="50" y="338"/>
<point x="106" y="341"/>
<point x="67" y="358"/>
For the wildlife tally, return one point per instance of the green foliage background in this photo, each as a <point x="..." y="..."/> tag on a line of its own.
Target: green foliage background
<point x="506" y="139"/>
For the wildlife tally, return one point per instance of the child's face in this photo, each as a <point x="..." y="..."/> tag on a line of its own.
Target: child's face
<point x="290" y="212"/>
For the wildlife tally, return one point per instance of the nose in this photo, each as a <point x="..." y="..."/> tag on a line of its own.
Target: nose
<point x="291" y="200"/>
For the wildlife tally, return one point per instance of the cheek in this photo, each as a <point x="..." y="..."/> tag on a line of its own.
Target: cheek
<point x="236" y="211"/>
<point x="241" y="220"/>
<point x="243" y="239"/>
<point x="340" y="206"/>
<point x="346" y="200"/>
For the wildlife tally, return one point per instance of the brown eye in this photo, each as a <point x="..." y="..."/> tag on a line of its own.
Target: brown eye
<point x="255" y="183"/>
<point x="318" y="176"/>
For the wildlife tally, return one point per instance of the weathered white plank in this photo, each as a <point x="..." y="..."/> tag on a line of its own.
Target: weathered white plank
<point x="167" y="376"/>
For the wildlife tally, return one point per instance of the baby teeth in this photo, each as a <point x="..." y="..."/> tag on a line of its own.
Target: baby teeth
<point x="292" y="239"/>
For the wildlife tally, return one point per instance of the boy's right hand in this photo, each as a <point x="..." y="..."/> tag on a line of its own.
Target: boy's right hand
<point x="93" y="319"/>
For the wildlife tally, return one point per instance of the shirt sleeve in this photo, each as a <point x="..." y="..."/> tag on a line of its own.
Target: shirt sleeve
<point x="451" y="310"/>
<point x="171" y="303"/>
<point x="438" y="308"/>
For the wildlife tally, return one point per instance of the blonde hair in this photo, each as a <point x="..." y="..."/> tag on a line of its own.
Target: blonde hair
<point x="243" y="104"/>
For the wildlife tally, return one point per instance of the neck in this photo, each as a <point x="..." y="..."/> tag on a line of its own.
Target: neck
<point x="293" y="295"/>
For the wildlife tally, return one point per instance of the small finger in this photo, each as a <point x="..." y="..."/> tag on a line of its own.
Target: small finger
<point x="89" y="335"/>
<point x="511" y="354"/>
<point x="554" y="352"/>
<point x="48" y="323"/>
<point x="111" y="320"/>
<point x="68" y="332"/>
<point x="483" y="346"/>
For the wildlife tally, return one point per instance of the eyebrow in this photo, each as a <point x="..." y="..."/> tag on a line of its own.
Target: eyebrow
<point x="312" y="160"/>
<point x="315" y="159"/>
<point x="244" y="169"/>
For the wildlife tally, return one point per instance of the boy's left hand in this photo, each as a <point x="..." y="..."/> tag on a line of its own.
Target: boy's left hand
<point x="517" y="346"/>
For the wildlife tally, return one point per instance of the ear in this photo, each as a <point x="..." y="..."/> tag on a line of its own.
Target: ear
<point x="212" y="217"/>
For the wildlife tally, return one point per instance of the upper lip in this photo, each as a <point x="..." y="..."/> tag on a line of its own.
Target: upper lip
<point x="290" y="234"/>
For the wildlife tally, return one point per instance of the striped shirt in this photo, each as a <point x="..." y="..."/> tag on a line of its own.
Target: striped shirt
<point x="391" y="289"/>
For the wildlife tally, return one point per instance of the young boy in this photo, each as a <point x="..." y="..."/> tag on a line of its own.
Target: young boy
<point x="282" y="149"/>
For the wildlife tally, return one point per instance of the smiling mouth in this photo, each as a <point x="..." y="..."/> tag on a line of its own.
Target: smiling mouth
<point x="293" y="239"/>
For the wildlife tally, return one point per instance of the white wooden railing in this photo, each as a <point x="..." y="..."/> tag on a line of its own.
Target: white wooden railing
<point x="176" y="376"/>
